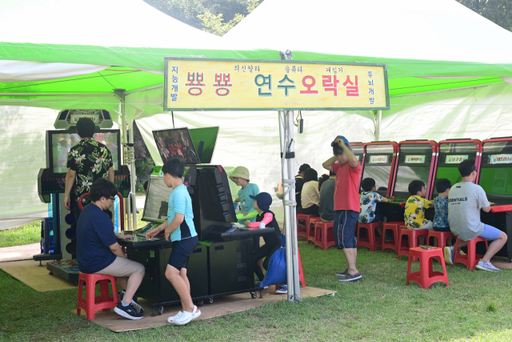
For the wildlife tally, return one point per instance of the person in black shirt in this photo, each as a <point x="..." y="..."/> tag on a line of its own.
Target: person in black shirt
<point x="299" y="182"/>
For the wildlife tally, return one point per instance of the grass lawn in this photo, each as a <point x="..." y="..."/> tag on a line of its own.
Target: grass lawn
<point x="380" y="307"/>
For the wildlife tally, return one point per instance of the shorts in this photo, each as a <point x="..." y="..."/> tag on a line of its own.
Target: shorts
<point x="490" y="233"/>
<point x="181" y="251"/>
<point x="122" y="267"/>
<point x="442" y="229"/>
<point x="344" y="228"/>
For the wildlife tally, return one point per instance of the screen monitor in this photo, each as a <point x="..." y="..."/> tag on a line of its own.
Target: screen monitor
<point x="157" y="200"/>
<point x="204" y="141"/>
<point x="414" y="163"/>
<point x="58" y="144"/>
<point x="176" y="143"/>
<point x="496" y="171"/>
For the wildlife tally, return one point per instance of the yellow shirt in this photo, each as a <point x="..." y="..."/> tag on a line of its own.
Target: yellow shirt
<point x="414" y="215"/>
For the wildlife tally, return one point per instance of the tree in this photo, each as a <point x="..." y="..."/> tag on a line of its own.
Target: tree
<point x="497" y="11"/>
<point x="214" y="16"/>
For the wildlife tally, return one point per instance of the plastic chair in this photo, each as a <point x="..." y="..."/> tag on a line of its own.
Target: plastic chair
<point x="440" y="236"/>
<point x="426" y="276"/>
<point x="412" y="240"/>
<point x="303" y="224"/>
<point x="91" y="303"/>
<point x="370" y="240"/>
<point x="324" y="236"/>
<point x="471" y="258"/>
<point x="311" y="228"/>
<point x="393" y="227"/>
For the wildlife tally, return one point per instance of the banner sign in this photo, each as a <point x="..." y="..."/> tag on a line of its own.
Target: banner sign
<point x="455" y="159"/>
<point x="216" y="84"/>
<point x="500" y="159"/>
<point x="415" y="159"/>
<point x="379" y="159"/>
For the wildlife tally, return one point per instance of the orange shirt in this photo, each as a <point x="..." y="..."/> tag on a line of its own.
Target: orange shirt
<point x="346" y="191"/>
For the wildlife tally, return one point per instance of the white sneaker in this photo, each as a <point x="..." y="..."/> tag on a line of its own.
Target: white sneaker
<point x="186" y="317"/>
<point x="173" y="319"/>
<point x="486" y="266"/>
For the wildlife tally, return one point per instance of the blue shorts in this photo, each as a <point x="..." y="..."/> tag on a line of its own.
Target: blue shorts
<point x="181" y="251"/>
<point x="490" y="233"/>
<point x="344" y="228"/>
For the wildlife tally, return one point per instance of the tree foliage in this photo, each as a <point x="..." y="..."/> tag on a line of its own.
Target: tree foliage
<point x="497" y="11"/>
<point x="214" y="16"/>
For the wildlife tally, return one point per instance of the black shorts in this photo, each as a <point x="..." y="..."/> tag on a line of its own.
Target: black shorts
<point x="181" y="251"/>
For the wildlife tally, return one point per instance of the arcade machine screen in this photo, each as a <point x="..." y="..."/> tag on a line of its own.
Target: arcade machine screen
<point x="59" y="143"/>
<point x="204" y="141"/>
<point x="377" y="165"/>
<point x="496" y="172"/>
<point x="450" y="156"/>
<point x="157" y="200"/>
<point x="176" y="143"/>
<point x="413" y="164"/>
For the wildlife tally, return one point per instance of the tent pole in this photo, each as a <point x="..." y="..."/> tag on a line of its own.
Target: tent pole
<point x="122" y="108"/>
<point x="286" y="128"/>
<point x="133" y="172"/>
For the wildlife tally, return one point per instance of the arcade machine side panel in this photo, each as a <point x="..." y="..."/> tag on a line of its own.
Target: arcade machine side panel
<point x="496" y="180"/>
<point x="359" y="150"/>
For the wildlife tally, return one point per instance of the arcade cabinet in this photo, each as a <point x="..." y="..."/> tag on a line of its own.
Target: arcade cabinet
<point x="380" y="163"/>
<point x="222" y="262"/>
<point x="416" y="161"/>
<point x="60" y="229"/>
<point x="495" y="171"/>
<point x="359" y="151"/>
<point x="451" y="153"/>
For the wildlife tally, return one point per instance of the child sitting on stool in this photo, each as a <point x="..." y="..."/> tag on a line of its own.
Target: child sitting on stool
<point x="414" y="215"/>
<point x="369" y="200"/>
<point x="265" y="219"/>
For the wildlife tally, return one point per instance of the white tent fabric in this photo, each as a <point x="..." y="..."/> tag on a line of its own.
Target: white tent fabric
<point x="20" y="71"/>
<point x="408" y="29"/>
<point x="127" y="23"/>
<point x="479" y="113"/>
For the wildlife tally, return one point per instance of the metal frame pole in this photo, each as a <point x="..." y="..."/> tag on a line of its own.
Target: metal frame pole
<point x="286" y="129"/>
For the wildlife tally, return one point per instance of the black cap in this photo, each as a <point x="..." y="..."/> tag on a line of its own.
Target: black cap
<point x="304" y="167"/>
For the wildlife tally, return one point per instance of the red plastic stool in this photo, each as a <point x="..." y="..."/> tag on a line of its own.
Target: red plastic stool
<point x="370" y="241"/>
<point x="394" y="228"/>
<point x="92" y="304"/>
<point x="301" y="273"/>
<point x="471" y="259"/>
<point x="324" y="236"/>
<point x="303" y="224"/>
<point x="311" y="228"/>
<point x="440" y="236"/>
<point x="412" y="240"/>
<point x="426" y="276"/>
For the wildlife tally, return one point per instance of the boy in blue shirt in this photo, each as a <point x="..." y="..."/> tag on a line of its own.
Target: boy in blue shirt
<point x="180" y="229"/>
<point x="369" y="199"/>
<point x="441" y="224"/>
<point x="240" y="177"/>
<point x="99" y="252"/>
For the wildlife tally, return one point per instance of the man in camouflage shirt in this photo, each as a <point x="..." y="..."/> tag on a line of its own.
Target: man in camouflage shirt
<point x="88" y="161"/>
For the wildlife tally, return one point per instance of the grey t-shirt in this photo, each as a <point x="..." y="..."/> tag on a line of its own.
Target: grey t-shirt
<point x="326" y="204"/>
<point x="464" y="203"/>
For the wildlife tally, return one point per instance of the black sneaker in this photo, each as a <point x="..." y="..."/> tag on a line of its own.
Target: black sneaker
<point x="129" y="311"/>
